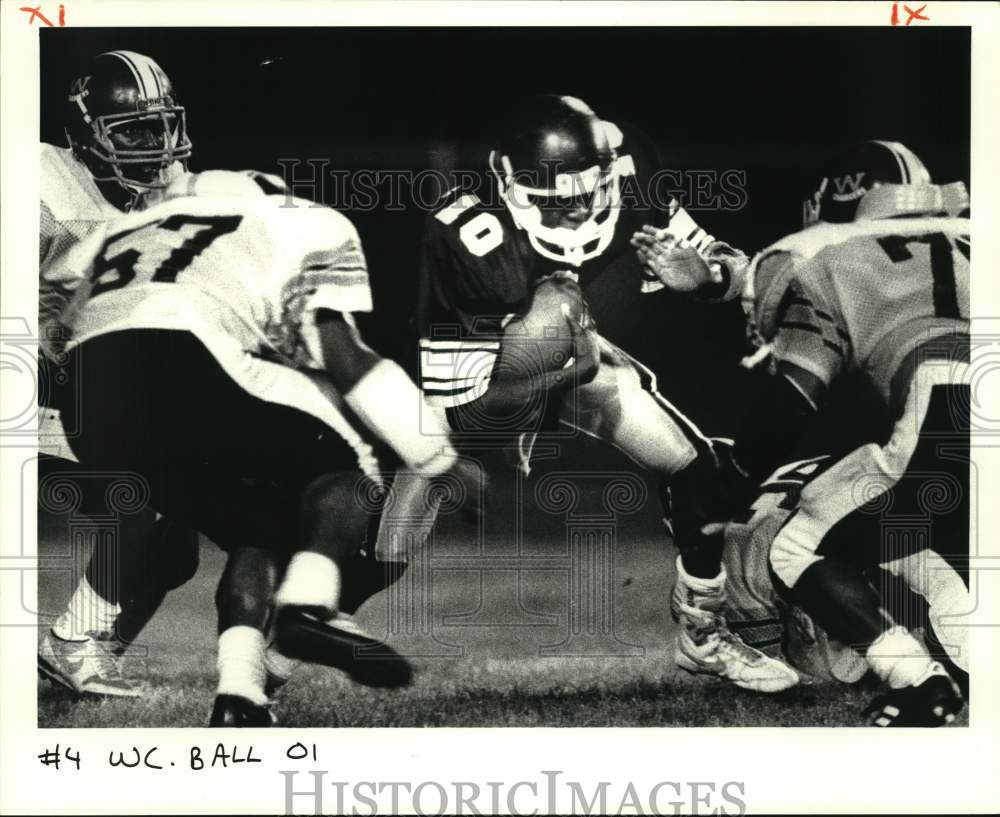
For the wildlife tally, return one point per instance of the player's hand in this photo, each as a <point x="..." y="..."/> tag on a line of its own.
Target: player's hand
<point x="586" y="350"/>
<point x="678" y="265"/>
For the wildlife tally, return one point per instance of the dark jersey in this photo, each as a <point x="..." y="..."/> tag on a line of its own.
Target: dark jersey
<point x="477" y="268"/>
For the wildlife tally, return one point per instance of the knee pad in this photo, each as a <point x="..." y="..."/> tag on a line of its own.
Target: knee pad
<point x="794" y="548"/>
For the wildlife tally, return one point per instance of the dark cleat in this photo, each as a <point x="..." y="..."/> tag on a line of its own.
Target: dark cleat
<point x="933" y="701"/>
<point x="340" y="643"/>
<point x="237" y="711"/>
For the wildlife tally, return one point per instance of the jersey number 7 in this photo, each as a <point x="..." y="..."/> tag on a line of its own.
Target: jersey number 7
<point x="180" y="258"/>
<point x="942" y="266"/>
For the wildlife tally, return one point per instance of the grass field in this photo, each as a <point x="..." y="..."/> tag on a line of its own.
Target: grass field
<point x="483" y="644"/>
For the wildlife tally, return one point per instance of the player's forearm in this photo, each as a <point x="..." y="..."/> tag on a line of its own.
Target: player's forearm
<point x="381" y="394"/>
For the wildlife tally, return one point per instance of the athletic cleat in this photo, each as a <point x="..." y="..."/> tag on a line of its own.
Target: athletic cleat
<point x="278" y="670"/>
<point x="273" y="684"/>
<point x="933" y="701"/>
<point x="237" y="711"/>
<point x="340" y="643"/>
<point x="87" y="667"/>
<point x="706" y="646"/>
<point x="716" y="650"/>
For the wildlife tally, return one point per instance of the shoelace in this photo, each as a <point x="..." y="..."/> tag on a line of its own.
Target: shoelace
<point x="734" y="643"/>
<point x="106" y="661"/>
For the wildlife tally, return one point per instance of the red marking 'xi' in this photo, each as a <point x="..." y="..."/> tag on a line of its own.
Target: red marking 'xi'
<point x="36" y="12"/>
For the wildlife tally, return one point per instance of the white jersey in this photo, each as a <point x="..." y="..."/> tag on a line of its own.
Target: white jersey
<point x="72" y="207"/>
<point x="863" y="295"/>
<point x="240" y="271"/>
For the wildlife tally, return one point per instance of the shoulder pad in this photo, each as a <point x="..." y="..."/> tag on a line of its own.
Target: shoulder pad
<point x="889" y="200"/>
<point x="770" y="276"/>
<point x="67" y="188"/>
<point x="813" y="240"/>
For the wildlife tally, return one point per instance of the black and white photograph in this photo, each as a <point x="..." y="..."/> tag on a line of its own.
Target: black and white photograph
<point x="507" y="375"/>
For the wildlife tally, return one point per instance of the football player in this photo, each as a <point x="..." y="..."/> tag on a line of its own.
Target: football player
<point x="223" y="365"/>
<point x="127" y="139"/>
<point x="876" y="284"/>
<point x="510" y="299"/>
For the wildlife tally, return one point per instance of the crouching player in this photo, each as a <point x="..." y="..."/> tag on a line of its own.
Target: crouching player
<point x="219" y="360"/>
<point x="877" y="284"/>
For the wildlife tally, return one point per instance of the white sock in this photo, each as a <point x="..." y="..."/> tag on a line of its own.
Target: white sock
<point x="698" y="585"/>
<point x="87" y="614"/>
<point x="312" y="580"/>
<point x="241" y="663"/>
<point x="696" y="601"/>
<point x="898" y="658"/>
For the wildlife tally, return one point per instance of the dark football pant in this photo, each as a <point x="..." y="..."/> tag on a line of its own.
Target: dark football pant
<point x="160" y="555"/>
<point x="235" y="466"/>
<point x="229" y="464"/>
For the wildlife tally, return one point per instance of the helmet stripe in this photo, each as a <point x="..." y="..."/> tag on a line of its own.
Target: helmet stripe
<point x="911" y="168"/>
<point x="146" y="72"/>
<point x="145" y="67"/>
<point x="155" y="71"/>
<point x="124" y="56"/>
<point x="135" y="71"/>
<point x="918" y="173"/>
<point x="900" y="152"/>
<point x="893" y="148"/>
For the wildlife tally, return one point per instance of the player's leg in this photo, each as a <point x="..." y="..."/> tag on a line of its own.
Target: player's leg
<point x="137" y="416"/>
<point x="320" y="509"/>
<point x="311" y="624"/>
<point x="379" y="564"/>
<point x="80" y="651"/>
<point x="821" y="553"/>
<point x="126" y="577"/>
<point x="77" y="652"/>
<point x="165" y="558"/>
<point x="244" y="600"/>
<point x="621" y="406"/>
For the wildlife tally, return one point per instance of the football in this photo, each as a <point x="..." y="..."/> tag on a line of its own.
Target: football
<point x="541" y="339"/>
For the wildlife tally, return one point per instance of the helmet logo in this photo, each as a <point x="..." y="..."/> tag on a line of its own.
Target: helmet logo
<point x="848" y="188"/>
<point x="79" y="87"/>
<point x="155" y="102"/>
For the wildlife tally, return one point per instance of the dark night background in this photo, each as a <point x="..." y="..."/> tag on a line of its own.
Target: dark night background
<point x="768" y="101"/>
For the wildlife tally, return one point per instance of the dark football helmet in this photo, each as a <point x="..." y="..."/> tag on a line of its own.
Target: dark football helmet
<point x="557" y="169"/>
<point x="124" y="123"/>
<point x="848" y="176"/>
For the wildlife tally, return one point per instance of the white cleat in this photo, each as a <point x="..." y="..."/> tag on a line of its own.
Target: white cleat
<point x="716" y="650"/>
<point x="87" y="667"/>
<point x="706" y="646"/>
